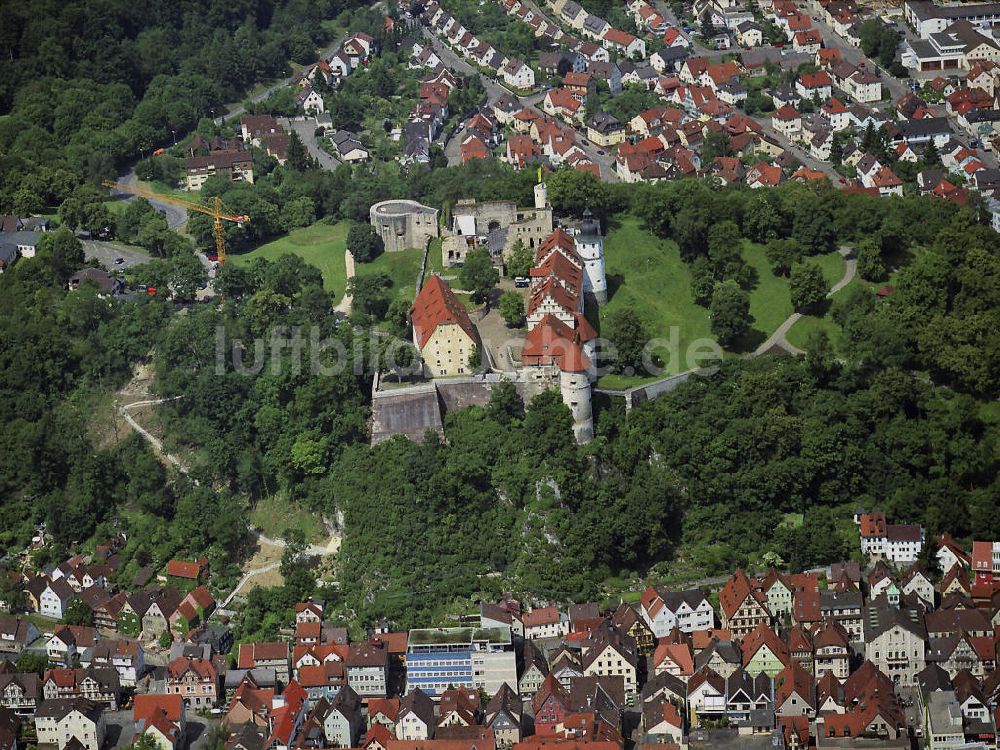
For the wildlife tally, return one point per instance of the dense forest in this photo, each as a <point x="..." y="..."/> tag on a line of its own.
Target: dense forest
<point x="87" y="87"/>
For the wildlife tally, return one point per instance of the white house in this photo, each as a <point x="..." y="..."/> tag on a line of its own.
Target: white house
<point x="688" y="611"/>
<point x="517" y="74"/>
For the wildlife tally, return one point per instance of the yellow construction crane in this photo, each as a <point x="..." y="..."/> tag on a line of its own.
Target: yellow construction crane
<point x="216" y="211"/>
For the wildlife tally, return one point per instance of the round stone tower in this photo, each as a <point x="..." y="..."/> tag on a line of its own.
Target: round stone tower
<point x="575" y="389"/>
<point x="541" y="195"/>
<point x="590" y="247"/>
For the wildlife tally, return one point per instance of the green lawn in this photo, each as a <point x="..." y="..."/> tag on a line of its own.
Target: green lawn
<point x="799" y="333"/>
<point x="402" y="267"/>
<point x="770" y="302"/>
<point x="435" y="261"/>
<point x="321" y="245"/>
<point x="274" y="514"/>
<point x="646" y="274"/>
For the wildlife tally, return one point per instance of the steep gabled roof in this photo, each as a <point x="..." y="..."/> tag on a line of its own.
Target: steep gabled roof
<point x="437" y="305"/>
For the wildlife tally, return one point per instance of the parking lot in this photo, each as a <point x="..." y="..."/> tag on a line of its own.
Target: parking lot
<point x="106" y="253"/>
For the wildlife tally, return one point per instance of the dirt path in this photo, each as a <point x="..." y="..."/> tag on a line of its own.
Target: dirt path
<point x="344" y="305"/>
<point x="267" y="549"/>
<point x="779" y="337"/>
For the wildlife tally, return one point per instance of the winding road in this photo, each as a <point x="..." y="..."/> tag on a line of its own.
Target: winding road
<point x="779" y="337"/>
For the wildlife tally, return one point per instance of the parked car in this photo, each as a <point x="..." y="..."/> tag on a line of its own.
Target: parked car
<point x="119" y="261"/>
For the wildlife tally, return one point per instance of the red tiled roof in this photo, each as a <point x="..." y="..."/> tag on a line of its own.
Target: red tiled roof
<point x="201" y="597"/>
<point x="794" y="679"/>
<point x="762" y="636"/>
<point x="677" y="653"/>
<point x="184" y="569"/>
<point x="552" y="342"/>
<point x="734" y="592"/>
<point x="251" y="653"/>
<point x="815" y="80"/>
<point x="787" y="112"/>
<point x="437" y="305"/>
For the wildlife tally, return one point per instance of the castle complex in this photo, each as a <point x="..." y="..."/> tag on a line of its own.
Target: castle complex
<point x="404" y="224"/>
<point x="496" y="225"/>
<point x="560" y="348"/>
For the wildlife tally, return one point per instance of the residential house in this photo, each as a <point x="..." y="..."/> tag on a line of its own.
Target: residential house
<point x="416" y="716"/>
<point x="688" y="611"/>
<point x="517" y="74"/>
<point x="706" y="696"/>
<point x="627" y="618"/>
<point x="503" y="714"/>
<point x="550" y="706"/>
<point x="125" y="655"/>
<point x="236" y="166"/>
<point x="62" y="721"/>
<point x="342" y="719"/>
<point x="20" y="692"/>
<point x="844" y="607"/>
<point x="760" y="175"/>
<point x="764" y="651"/>
<point x="831" y="650"/>
<point x="742" y="607"/>
<point x="604" y="130"/>
<point x="788" y="122"/>
<point x="368" y="668"/>
<point x="16" y="633"/>
<point x="746" y="694"/>
<point x="662" y="722"/>
<point x="273" y="655"/>
<point x="534" y="670"/>
<point x="545" y="622"/>
<point x="57" y="594"/>
<point x="162" y="718"/>
<point x="794" y="692"/>
<point x="610" y="651"/>
<point x="195" y="680"/>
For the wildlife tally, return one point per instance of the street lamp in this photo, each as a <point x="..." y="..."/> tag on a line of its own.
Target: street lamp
<point x="174" y="134"/>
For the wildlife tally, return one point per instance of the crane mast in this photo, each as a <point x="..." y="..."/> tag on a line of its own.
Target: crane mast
<point x="217" y="211"/>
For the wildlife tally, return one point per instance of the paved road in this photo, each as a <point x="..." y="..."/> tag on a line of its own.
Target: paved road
<point x="240" y="108"/>
<point x="799" y="151"/>
<point x="306" y="128"/>
<point x="105" y="253"/>
<point x="176" y="215"/>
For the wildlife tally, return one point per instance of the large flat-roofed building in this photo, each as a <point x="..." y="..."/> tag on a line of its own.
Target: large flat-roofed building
<point x="927" y="17"/>
<point x="437" y="658"/>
